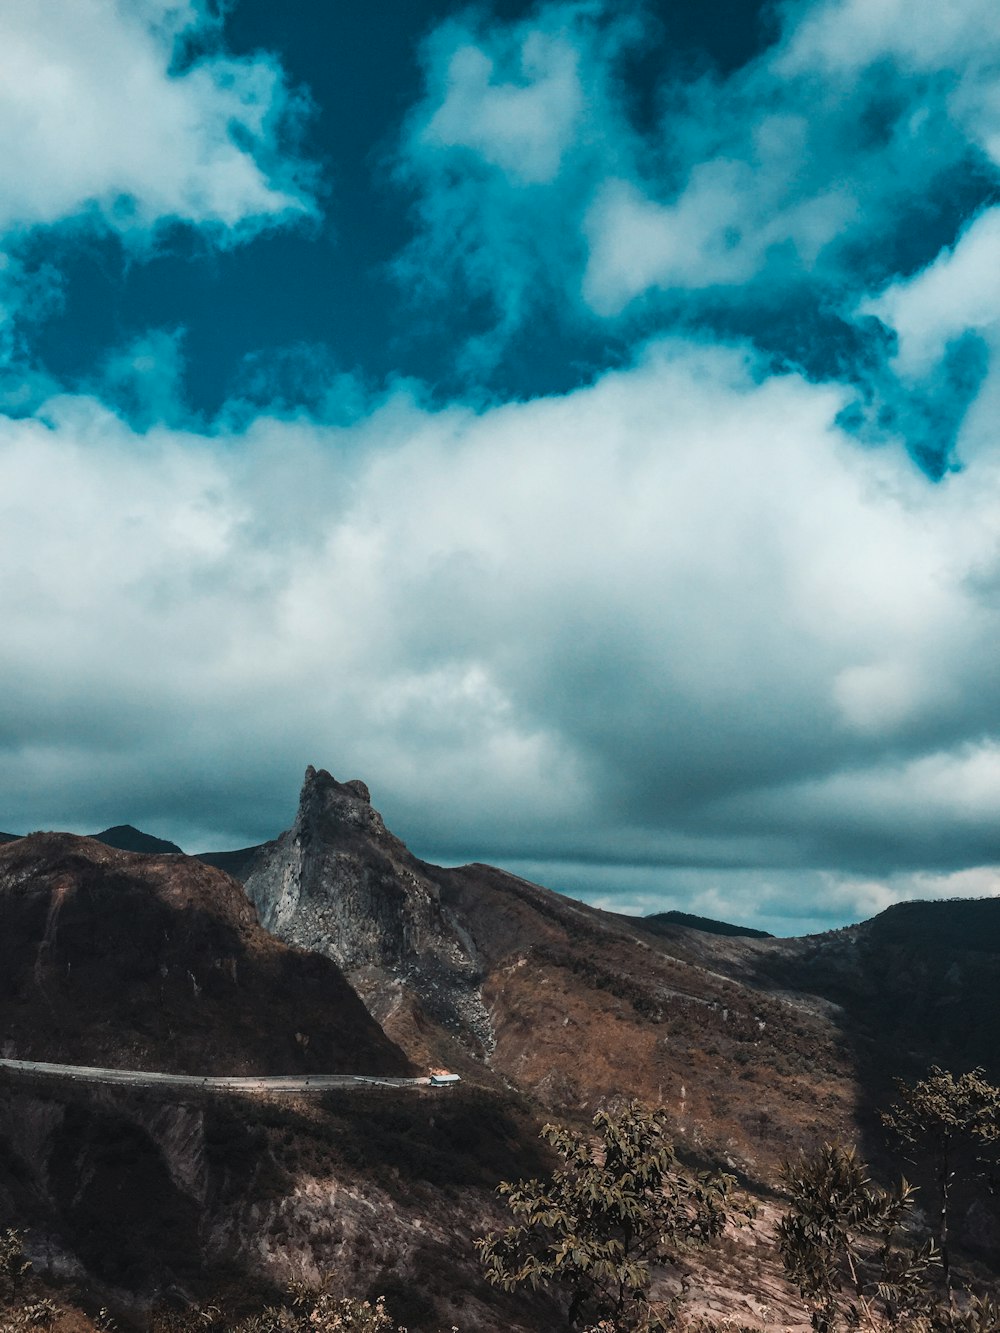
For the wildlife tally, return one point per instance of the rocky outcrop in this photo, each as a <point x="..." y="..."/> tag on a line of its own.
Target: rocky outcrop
<point x="339" y="883"/>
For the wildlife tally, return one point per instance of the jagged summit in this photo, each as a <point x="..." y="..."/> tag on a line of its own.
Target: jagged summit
<point x="327" y="806"/>
<point x="338" y="882"/>
<point x="320" y="779"/>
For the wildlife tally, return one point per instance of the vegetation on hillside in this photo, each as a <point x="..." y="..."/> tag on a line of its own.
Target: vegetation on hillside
<point x="595" y="1237"/>
<point x="619" y="1206"/>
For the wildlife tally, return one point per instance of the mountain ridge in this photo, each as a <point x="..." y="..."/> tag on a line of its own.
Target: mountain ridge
<point x="809" y="1030"/>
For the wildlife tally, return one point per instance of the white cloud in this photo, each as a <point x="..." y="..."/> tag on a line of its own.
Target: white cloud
<point x="718" y="232"/>
<point x="662" y="617"/>
<point x="959" y="291"/>
<point x="850" y="138"/>
<point x="675" y="618"/>
<point x="524" y="125"/>
<point x="504" y="148"/>
<point x="949" y="52"/>
<point x="849" y="34"/>
<point x="92" y="118"/>
<point x="957" y="789"/>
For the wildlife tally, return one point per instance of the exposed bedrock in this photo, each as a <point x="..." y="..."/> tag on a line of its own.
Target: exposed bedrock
<point x="338" y="882"/>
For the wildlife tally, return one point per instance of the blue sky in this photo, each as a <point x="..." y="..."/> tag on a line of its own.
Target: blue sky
<point x="577" y="420"/>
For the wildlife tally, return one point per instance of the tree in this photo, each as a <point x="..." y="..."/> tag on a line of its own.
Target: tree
<point x="843" y="1231"/>
<point x="980" y="1315"/>
<point x="941" y="1116"/>
<point x="14" y="1267"/>
<point x="619" y="1206"/>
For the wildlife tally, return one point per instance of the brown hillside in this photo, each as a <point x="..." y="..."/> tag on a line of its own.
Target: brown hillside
<point x="138" y="961"/>
<point x="757" y="1045"/>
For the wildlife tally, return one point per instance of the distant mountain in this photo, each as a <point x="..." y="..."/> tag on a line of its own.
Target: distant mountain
<point x="662" y="922"/>
<point x="237" y="863"/>
<point x="129" y="839"/>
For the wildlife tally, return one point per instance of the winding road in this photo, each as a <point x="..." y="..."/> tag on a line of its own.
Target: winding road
<point x="279" y="1083"/>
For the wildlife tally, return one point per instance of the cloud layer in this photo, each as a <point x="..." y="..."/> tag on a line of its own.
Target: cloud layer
<point x="699" y="632"/>
<point x="675" y="618"/>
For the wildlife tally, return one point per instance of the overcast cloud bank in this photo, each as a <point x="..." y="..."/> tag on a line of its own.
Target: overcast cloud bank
<point x="716" y="630"/>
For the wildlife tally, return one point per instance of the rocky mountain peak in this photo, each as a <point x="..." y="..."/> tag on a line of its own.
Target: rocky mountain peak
<point x="318" y="780"/>
<point x="326" y="806"/>
<point x="339" y="883"/>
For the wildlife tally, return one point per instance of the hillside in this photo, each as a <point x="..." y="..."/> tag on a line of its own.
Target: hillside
<point x="131" y="960"/>
<point x="756" y="1046"/>
<point x="126" y="838"/>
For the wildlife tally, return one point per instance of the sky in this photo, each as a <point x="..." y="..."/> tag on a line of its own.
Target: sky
<point x="581" y="421"/>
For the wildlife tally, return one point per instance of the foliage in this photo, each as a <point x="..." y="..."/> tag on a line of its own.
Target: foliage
<point x="14" y="1267"/>
<point x="319" y="1311"/>
<point x="844" y="1231"/>
<point x="325" y="1316"/>
<point x="306" y="1309"/>
<point x="20" y="1314"/>
<point x="28" y="1318"/>
<point x="981" y="1315"/>
<point x="620" y="1205"/>
<point x="939" y="1116"/>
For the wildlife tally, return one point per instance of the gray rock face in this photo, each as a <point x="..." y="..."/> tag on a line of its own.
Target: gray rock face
<point x="339" y="883"/>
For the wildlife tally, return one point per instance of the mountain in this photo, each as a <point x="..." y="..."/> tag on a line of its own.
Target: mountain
<point x="158" y="962"/>
<point x="126" y="838"/>
<point x="758" y="1045"/>
<point x="340" y="883"/>
<point x="661" y="923"/>
<point x="141" y="961"/>
<point x="236" y="863"/>
<point x="129" y="839"/>
<point x="915" y="985"/>
<point x="500" y="978"/>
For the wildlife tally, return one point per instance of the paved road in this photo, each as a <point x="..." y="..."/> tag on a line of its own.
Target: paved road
<point x="280" y="1083"/>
